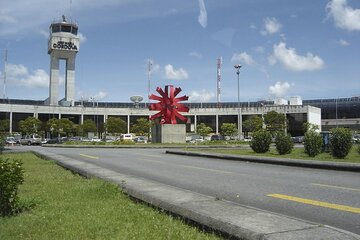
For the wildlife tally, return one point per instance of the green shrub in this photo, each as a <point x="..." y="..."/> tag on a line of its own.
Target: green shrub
<point x="11" y="176"/>
<point x="284" y="143"/>
<point x="312" y="143"/>
<point x="2" y="143"/>
<point x="358" y="149"/>
<point x="340" y="142"/>
<point x="261" y="141"/>
<point x="123" y="142"/>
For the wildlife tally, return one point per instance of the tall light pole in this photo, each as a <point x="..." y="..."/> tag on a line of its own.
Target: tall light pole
<point x="237" y="67"/>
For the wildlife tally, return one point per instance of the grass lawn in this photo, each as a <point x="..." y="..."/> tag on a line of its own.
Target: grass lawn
<point x="68" y="206"/>
<point x="297" y="153"/>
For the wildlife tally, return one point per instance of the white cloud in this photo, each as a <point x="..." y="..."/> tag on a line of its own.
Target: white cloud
<point x="271" y="25"/>
<point x="242" y="58"/>
<point x="343" y="42"/>
<point x="259" y="49"/>
<point x="294" y="62"/>
<point x="82" y="37"/>
<point x="154" y="67"/>
<point x="279" y="89"/>
<point x="195" y="54"/>
<point x="100" y="95"/>
<point x="203" y="14"/>
<point x="5" y="18"/>
<point x="252" y="26"/>
<point x="201" y="96"/>
<point x="19" y="75"/>
<point x="171" y="73"/>
<point x="345" y="17"/>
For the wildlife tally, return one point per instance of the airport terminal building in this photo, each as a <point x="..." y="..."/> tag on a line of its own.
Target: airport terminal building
<point x="327" y="113"/>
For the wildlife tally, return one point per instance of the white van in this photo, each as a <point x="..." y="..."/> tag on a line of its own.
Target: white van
<point x="126" y="137"/>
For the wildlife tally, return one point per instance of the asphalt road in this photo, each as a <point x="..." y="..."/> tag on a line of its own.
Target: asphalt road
<point x="322" y="196"/>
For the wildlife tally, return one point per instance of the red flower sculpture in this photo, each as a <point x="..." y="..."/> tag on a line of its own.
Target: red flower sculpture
<point x="168" y="105"/>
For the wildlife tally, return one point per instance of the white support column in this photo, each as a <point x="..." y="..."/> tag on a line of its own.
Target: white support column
<point x="128" y="123"/>
<point x="11" y="118"/>
<point x="217" y="124"/>
<point x="54" y="80"/>
<point x="82" y="119"/>
<point x="195" y="123"/>
<point x="70" y="79"/>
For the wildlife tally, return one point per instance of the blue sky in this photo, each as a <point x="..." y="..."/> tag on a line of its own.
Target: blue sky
<point x="286" y="47"/>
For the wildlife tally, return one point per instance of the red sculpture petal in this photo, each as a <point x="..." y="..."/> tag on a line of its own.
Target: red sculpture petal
<point x="168" y="105"/>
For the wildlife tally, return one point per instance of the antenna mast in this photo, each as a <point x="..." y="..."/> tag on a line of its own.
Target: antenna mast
<point x="218" y="88"/>
<point x="149" y="75"/>
<point x="5" y="65"/>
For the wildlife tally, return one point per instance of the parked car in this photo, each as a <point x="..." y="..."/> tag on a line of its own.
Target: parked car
<point x="356" y="138"/>
<point x="108" y="139"/>
<point x="194" y="138"/>
<point x="298" y="139"/>
<point x="216" y="137"/>
<point x="10" y="140"/>
<point x="30" y="140"/>
<point x="95" y="139"/>
<point x="56" y="140"/>
<point x="140" y="139"/>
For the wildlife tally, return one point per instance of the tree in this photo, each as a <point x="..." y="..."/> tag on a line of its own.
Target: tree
<point x="88" y="126"/>
<point x="115" y="126"/>
<point x="203" y="129"/>
<point x="30" y="125"/>
<point x="253" y="124"/>
<point x="52" y="126"/>
<point x="141" y="127"/>
<point x="66" y="127"/>
<point x="275" y="122"/>
<point x="228" y="129"/>
<point x="4" y="125"/>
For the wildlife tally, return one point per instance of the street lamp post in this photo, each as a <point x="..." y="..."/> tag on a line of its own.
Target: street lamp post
<point x="237" y="67"/>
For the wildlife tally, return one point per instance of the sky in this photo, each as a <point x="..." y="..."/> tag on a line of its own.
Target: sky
<point x="286" y="48"/>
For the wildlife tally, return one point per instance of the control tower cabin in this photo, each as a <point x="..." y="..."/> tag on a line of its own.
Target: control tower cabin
<point x="63" y="45"/>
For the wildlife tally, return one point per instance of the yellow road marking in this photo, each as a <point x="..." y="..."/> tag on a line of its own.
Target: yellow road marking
<point x="88" y="156"/>
<point x="317" y="203"/>
<point x="338" y="187"/>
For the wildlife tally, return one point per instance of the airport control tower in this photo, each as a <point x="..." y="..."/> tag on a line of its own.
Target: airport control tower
<point x="63" y="45"/>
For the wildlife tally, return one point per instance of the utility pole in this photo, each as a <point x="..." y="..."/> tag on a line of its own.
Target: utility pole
<point x="149" y="75"/>
<point x="218" y="80"/>
<point x="5" y="65"/>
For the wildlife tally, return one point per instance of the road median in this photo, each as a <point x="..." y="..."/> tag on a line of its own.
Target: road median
<point x="341" y="166"/>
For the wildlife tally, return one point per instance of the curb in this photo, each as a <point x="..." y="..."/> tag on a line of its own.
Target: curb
<point x="237" y="221"/>
<point x="353" y="167"/>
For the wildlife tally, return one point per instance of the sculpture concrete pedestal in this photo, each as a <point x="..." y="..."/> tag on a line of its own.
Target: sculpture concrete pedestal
<point x="168" y="133"/>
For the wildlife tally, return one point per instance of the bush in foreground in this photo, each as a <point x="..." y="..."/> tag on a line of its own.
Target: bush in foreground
<point x="340" y="142"/>
<point x="11" y="176"/>
<point x="261" y="141"/>
<point x="284" y="143"/>
<point x="312" y="143"/>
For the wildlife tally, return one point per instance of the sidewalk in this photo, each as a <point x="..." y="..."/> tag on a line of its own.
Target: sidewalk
<point x="341" y="166"/>
<point x="241" y="222"/>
